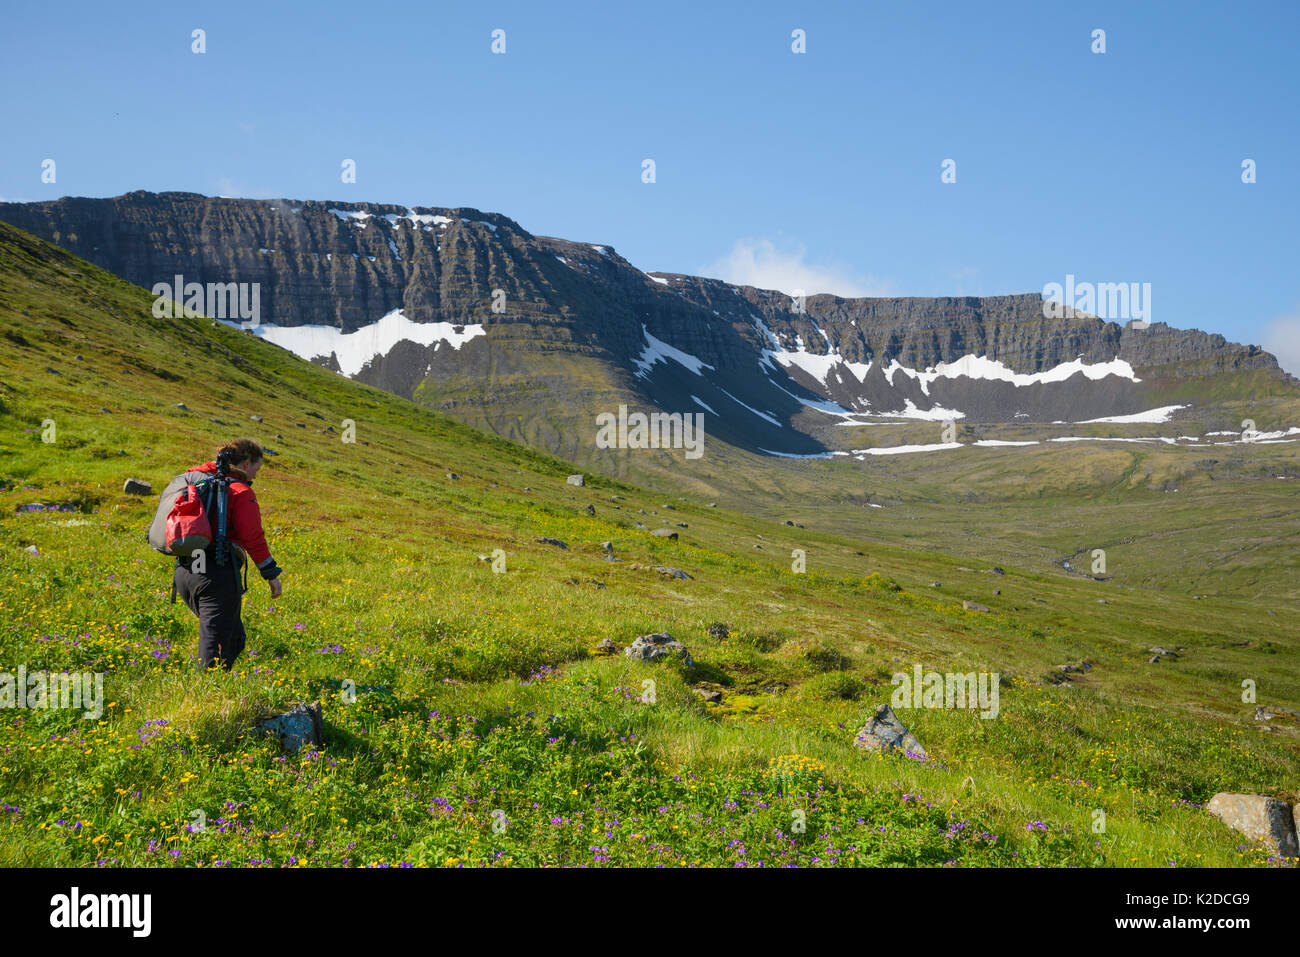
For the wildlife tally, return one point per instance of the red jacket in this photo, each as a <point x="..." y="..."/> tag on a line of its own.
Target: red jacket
<point x="244" y="521"/>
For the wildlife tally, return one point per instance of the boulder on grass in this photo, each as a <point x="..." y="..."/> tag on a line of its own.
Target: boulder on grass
<point x="885" y="733"/>
<point x="1265" y="819"/>
<point x="294" y="728"/>
<point x="577" y="480"/>
<point x="658" y="646"/>
<point x="135" y="486"/>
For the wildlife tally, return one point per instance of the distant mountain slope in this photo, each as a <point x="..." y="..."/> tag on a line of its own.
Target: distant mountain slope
<point x="532" y="336"/>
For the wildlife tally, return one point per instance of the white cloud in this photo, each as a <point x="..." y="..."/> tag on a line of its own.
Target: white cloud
<point x="758" y="262"/>
<point x="1282" y="338"/>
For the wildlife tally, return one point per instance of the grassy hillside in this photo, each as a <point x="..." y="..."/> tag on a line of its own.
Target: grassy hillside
<point x="486" y="727"/>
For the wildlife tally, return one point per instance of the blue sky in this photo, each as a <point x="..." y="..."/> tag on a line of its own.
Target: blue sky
<point x="819" y="169"/>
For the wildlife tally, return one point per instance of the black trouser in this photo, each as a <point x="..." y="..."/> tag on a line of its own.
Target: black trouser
<point x="215" y="597"/>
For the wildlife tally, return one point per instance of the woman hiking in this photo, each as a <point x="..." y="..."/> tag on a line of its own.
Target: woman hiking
<point x="215" y="593"/>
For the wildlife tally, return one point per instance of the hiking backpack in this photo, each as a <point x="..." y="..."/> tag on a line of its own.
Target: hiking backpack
<point x="192" y="515"/>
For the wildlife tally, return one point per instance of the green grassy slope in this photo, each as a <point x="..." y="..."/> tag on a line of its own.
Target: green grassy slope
<point x="486" y="728"/>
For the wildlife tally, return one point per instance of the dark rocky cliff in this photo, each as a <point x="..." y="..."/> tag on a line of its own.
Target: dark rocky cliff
<point x="574" y="320"/>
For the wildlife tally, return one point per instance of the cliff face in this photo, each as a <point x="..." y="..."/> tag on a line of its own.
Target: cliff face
<point x="569" y="328"/>
<point x="920" y="333"/>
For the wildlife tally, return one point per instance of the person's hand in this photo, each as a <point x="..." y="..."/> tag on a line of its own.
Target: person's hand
<point x="276" y="587"/>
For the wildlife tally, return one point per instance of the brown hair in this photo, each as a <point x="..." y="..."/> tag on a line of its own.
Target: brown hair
<point x="241" y="449"/>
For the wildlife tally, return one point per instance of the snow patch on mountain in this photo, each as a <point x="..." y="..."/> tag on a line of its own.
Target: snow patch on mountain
<point x="356" y="217"/>
<point x="1150" y="416"/>
<point x="354" y="349"/>
<point x="761" y="415"/>
<point x="905" y="449"/>
<point x="657" y="350"/>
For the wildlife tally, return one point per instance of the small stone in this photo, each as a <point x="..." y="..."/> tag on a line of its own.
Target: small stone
<point x="134" y="486"/>
<point x="719" y="631"/>
<point x="974" y="606"/>
<point x="552" y="541"/>
<point x="256" y="418"/>
<point x="667" y="533"/>
<point x="709" y="695"/>
<point x="182" y="406"/>
<point x="590" y="510"/>
<point x="932" y="584"/>
<point x="453" y="476"/>
<point x="606" y="647"/>
<point x="577" y="480"/>
<point x="608" y="546"/>
<point x="672" y="572"/>
<point x="32" y="550"/>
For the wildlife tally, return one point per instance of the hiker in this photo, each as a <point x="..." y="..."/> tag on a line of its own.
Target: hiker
<point x="215" y="594"/>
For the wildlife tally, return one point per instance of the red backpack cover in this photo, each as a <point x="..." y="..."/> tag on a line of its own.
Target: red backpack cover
<point x="188" y="528"/>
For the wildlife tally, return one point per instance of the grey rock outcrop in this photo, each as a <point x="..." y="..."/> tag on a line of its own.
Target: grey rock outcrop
<point x="1265" y="819"/>
<point x="884" y="732"/>
<point x="300" y="726"/>
<point x="657" y="647"/>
